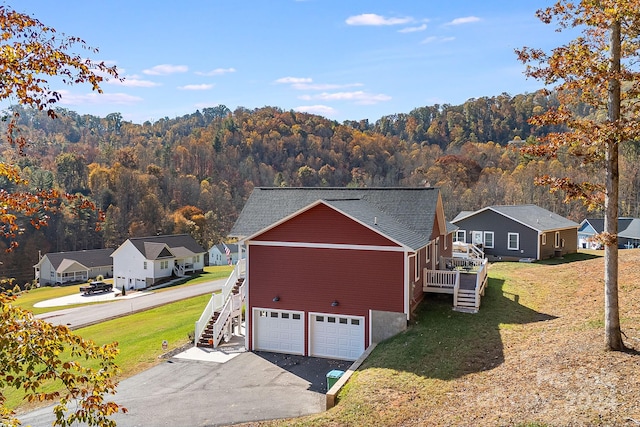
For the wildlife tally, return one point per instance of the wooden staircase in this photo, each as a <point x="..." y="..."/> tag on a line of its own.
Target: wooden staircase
<point x="466" y="300"/>
<point x="209" y="338"/>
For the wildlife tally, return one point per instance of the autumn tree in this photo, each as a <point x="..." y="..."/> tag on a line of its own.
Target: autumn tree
<point x="31" y="350"/>
<point x="599" y="69"/>
<point x="30" y="54"/>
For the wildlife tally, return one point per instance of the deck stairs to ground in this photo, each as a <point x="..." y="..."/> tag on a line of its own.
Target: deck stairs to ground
<point x="465" y="279"/>
<point x="178" y="270"/>
<point x="223" y="311"/>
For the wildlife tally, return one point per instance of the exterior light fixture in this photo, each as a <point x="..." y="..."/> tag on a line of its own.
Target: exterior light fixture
<point x="335" y="303"/>
<point x="276" y="298"/>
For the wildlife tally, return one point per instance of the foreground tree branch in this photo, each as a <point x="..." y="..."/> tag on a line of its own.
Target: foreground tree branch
<point x="33" y="353"/>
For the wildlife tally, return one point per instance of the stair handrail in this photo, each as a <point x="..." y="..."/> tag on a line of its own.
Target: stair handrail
<point x="221" y="322"/>
<point x="215" y="303"/>
<point x="456" y="287"/>
<point x="218" y="299"/>
<point x="231" y="307"/>
<point x="481" y="278"/>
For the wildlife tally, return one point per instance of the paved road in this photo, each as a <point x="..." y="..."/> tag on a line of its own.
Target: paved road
<point x="80" y="317"/>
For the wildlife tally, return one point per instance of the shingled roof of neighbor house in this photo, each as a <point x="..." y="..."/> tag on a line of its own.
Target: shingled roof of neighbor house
<point x="405" y="215"/>
<point x="153" y="247"/>
<point x="88" y="258"/>
<point x="627" y="227"/>
<point x="532" y="216"/>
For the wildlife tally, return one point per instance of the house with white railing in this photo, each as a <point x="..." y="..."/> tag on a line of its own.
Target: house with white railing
<point x="326" y="272"/>
<point x="141" y="262"/>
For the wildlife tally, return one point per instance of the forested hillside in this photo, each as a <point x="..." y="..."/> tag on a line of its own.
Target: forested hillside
<point x="193" y="173"/>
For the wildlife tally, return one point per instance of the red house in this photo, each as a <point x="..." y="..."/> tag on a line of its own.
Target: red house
<point x="331" y="270"/>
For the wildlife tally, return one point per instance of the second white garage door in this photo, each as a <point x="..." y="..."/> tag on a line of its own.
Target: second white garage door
<point x="336" y="337"/>
<point x="279" y="331"/>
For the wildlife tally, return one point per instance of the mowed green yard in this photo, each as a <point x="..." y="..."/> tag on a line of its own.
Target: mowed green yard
<point x="532" y="356"/>
<point x="139" y="335"/>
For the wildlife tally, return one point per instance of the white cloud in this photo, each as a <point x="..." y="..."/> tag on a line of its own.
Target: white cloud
<point x="323" y="86"/>
<point x="69" y="98"/>
<point x="306" y="83"/>
<point x="434" y="39"/>
<point x="464" y="20"/>
<point x="216" y="72"/>
<point x="358" y="97"/>
<point x="165" y="69"/>
<point x="294" y="80"/>
<point x="196" y="87"/>
<point x="413" y="29"/>
<point x="376" y="20"/>
<point x="322" y="110"/>
<point x="133" y="81"/>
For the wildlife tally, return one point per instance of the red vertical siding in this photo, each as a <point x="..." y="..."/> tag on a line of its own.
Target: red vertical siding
<point x="322" y="224"/>
<point x="311" y="279"/>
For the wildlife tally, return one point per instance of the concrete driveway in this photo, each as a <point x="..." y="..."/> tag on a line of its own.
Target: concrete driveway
<point x="246" y="387"/>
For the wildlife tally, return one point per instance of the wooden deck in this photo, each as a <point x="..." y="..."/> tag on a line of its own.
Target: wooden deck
<point x="465" y="279"/>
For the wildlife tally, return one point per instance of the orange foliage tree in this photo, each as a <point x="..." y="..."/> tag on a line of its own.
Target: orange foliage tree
<point x="598" y="69"/>
<point x="31" y="350"/>
<point x="30" y="54"/>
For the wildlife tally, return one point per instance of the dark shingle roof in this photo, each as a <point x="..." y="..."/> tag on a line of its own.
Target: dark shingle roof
<point x="631" y="228"/>
<point x="89" y="258"/>
<point x="627" y="227"/>
<point x="532" y="216"/>
<point x="405" y="215"/>
<point x="179" y="244"/>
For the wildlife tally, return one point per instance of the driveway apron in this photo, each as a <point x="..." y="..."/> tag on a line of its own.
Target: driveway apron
<point x="247" y="387"/>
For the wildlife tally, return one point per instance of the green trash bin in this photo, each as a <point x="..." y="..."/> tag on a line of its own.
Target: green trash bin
<point x="333" y="377"/>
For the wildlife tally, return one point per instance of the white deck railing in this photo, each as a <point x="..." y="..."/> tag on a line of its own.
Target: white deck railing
<point x="442" y="281"/>
<point x="231" y="308"/>
<point x="218" y="299"/>
<point x="466" y="250"/>
<point x="452" y="262"/>
<point x="448" y="281"/>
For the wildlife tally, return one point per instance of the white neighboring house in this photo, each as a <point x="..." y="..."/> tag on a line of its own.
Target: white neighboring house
<point x="218" y="254"/>
<point x="144" y="261"/>
<point x="72" y="267"/>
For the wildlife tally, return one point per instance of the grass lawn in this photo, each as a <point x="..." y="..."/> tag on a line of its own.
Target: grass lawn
<point x="532" y="356"/>
<point x="140" y="336"/>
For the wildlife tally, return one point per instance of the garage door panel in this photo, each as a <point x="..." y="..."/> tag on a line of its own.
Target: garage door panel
<point x="279" y="331"/>
<point x="340" y="337"/>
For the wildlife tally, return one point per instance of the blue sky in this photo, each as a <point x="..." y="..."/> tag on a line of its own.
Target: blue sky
<point x="343" y="59"/>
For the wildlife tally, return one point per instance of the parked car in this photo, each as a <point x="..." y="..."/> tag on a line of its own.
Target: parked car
<point x="97" y="286"/>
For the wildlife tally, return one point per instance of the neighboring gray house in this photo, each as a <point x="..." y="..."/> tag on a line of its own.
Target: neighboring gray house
<point x="517" y="231"/>
<point x="73" y="267"/>
<point x="223" y="254"/>
<point x="628" y="233"/>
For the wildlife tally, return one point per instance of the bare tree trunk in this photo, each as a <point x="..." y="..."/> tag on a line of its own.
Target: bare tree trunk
<point x="613" y="335"/>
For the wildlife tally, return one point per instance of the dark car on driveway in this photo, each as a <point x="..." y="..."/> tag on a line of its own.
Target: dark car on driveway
<point x="94" y="287"/>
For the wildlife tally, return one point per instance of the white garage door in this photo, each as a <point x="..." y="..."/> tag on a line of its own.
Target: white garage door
<point x="279" y="331"/>
<point x="336" y="337"/>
